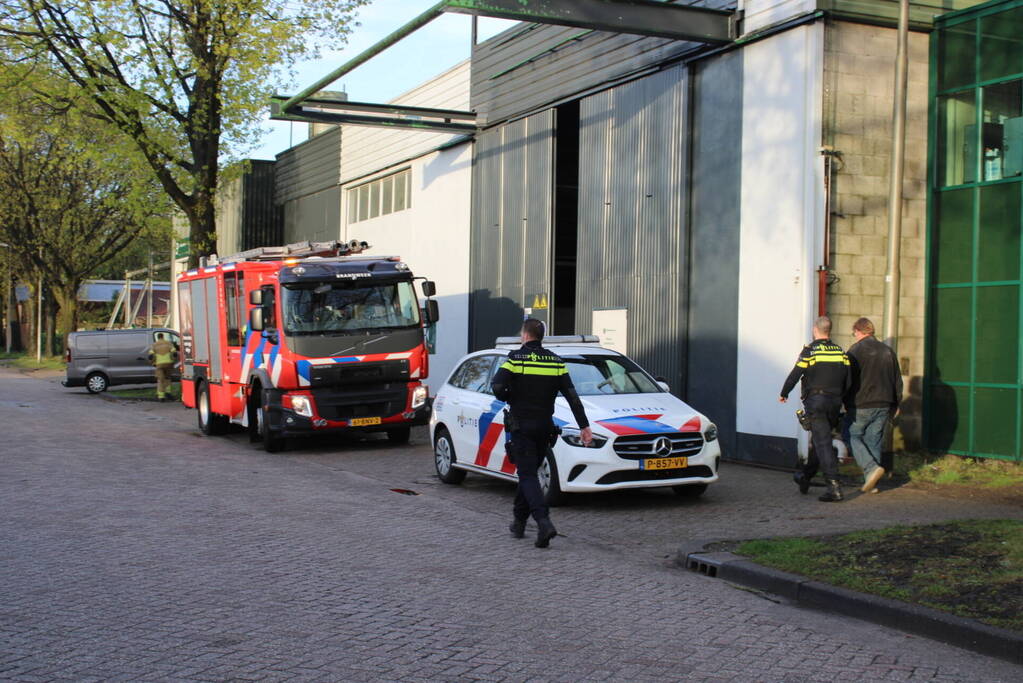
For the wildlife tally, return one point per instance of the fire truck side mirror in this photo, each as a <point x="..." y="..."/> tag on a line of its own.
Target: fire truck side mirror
<point x="429" y="288"/>
<point x="256" y="317"/>
<point x="256" y="297"/>
<point x="431" y="312"/>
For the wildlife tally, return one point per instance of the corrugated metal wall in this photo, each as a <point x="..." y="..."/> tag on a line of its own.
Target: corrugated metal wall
<point x="309" y="167"/>
<point x="511" y="225"/>
<point x="632" y="232"/>
<point x="530" y="65"/>
<point x="262" y="220"/>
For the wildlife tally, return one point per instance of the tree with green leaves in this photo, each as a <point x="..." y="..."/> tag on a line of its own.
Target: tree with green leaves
<point x="68" y="206"/>
<point x="182" y="79"/>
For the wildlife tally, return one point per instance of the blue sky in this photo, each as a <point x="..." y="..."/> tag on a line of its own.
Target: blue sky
<point x="426" y="53"/>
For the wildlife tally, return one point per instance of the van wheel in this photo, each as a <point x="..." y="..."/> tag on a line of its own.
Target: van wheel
<point x="399" y="436"/>
<point x="96" y="383"/>
<point x="210" y="423"/>
<point x="550" y="484"/>
<point x="444" y="459"/>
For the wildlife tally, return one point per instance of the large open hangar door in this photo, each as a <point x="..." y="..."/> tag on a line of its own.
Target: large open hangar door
<point x="511" y="227"/>
<point x="632" y="229"/>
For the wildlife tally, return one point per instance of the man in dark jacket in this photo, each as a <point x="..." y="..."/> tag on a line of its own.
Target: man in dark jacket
<point x="874" y="399"/>
<point x="823" y="370"/>
<point x="529" y="381"/>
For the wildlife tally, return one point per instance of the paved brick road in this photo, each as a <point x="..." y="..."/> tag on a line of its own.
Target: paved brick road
<point x="133" y="549"/>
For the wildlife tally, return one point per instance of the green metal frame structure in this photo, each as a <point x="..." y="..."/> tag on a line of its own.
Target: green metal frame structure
<point x="973" y="387"/>
<point x="641" y="17"/>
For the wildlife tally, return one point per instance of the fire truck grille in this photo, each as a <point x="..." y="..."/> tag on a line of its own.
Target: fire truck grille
<point x="360" y="401"/>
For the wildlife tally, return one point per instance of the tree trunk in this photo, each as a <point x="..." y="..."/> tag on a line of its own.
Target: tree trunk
<point x="202" y="232"/>
<point x="50" y="323"/>
<point x="67" y="301"/>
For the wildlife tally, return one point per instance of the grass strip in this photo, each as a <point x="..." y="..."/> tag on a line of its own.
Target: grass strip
<point x="971" y="568"/>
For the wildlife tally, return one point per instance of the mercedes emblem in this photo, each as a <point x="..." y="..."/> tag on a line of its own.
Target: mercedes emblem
<point x="662" y="446"/>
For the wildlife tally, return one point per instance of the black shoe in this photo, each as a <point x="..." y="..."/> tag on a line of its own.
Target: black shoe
<point x="517" y="528"/>
<point x="802" y="481"/>
<point x="833" y="494"/>
<point x="545" y="533"/>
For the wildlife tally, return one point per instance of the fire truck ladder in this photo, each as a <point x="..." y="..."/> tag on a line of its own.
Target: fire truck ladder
<point x="295" y="250"/>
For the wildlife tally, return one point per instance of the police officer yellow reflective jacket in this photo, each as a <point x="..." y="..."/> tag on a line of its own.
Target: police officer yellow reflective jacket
<point x="824" y="369"/>
<point x="531" y="379"/>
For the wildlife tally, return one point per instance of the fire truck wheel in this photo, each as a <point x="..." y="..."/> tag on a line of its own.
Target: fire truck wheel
<point x="272" y="443"/>
<point x="444" y="459"/>
<point x="399" y="436"/>
<point x="550" y="485"/>
<point x="210" y="423"/>
<point x="96" y="383"/>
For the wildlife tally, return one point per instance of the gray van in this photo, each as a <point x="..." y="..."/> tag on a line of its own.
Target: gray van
<point x="98" y="359"/>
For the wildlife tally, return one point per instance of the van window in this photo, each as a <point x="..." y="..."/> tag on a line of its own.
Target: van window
<point x="90" y="343"/>
<point x="129" y="341"/>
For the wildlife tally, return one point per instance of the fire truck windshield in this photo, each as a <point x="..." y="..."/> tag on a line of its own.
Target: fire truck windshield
<point x="348" y="307"/>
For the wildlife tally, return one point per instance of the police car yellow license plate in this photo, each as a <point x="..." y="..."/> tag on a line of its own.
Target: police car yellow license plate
<point x="663" y="463"/>
<point x="364" y="421"/>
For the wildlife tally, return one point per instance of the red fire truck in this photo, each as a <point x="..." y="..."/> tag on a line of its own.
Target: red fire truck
<point x="303" y="339"/>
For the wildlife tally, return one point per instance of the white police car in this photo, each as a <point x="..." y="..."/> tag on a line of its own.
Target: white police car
<point x="642" y="435"/>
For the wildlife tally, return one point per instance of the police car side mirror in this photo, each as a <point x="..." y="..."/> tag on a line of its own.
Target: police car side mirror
<point x="256" y="297"/>
<point x="429" y="288"/>
<point x="662" y="383"/>
<point x="431" y="312"/>
<point x="256" y="317"/>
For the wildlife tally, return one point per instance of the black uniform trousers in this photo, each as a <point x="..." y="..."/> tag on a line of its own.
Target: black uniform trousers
<point x="527" y="448"/>
<point x="823" y="411"/>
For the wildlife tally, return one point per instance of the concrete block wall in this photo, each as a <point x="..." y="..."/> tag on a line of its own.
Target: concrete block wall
<point x="859" y="79"/>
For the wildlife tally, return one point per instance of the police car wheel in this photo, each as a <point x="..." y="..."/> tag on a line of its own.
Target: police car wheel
<point x="444" y="459"/>
<point x="96" y="383"/>
<point x="689" y="490"/>
<point x="550" y="485"/>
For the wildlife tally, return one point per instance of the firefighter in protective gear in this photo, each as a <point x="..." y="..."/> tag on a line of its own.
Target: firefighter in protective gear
<point x="163" y="355"/>
<point x="529" y="381"/>
<point x="824" y="371"/>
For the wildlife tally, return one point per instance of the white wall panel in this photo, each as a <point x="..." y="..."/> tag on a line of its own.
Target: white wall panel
<point x="781" y="226"/>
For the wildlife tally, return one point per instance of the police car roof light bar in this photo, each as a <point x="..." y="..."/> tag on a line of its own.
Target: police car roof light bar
<point x="553" y="340"/>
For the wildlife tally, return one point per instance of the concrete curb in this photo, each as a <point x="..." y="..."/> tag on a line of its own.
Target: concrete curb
<point x="947" y="628"/>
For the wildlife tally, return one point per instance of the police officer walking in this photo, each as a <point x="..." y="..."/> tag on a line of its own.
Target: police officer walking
<point x="529" y="381"/>
<point x="162" y="355"/>
<point x="824" y="370"/>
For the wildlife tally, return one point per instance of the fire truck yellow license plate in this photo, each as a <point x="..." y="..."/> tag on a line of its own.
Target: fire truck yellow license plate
<point x="364" y="421"/>
<point x="664" y="463"/>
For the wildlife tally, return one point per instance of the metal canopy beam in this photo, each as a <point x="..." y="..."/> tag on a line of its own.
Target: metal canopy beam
<point x="334" y="103"/>
<point x="308" y="116"/>
<point x="641" y="17"/>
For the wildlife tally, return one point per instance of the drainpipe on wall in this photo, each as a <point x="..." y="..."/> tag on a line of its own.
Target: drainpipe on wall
<point x="892" y="275"/>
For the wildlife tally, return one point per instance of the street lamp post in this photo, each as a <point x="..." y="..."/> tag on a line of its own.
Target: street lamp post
<point x="8" y="306"/>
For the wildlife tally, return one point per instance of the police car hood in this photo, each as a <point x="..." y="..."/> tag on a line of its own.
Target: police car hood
<point x="624" y="414"/>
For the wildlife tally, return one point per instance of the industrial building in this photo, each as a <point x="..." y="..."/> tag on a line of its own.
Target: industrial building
<point x="698" y="189"/>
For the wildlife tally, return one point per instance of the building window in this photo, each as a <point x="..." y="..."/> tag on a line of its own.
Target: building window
<point x="380" y="197"/>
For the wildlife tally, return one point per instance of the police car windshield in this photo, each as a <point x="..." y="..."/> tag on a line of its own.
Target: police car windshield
<point x="348" y="307"/>
<point x="598" y="375"/>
